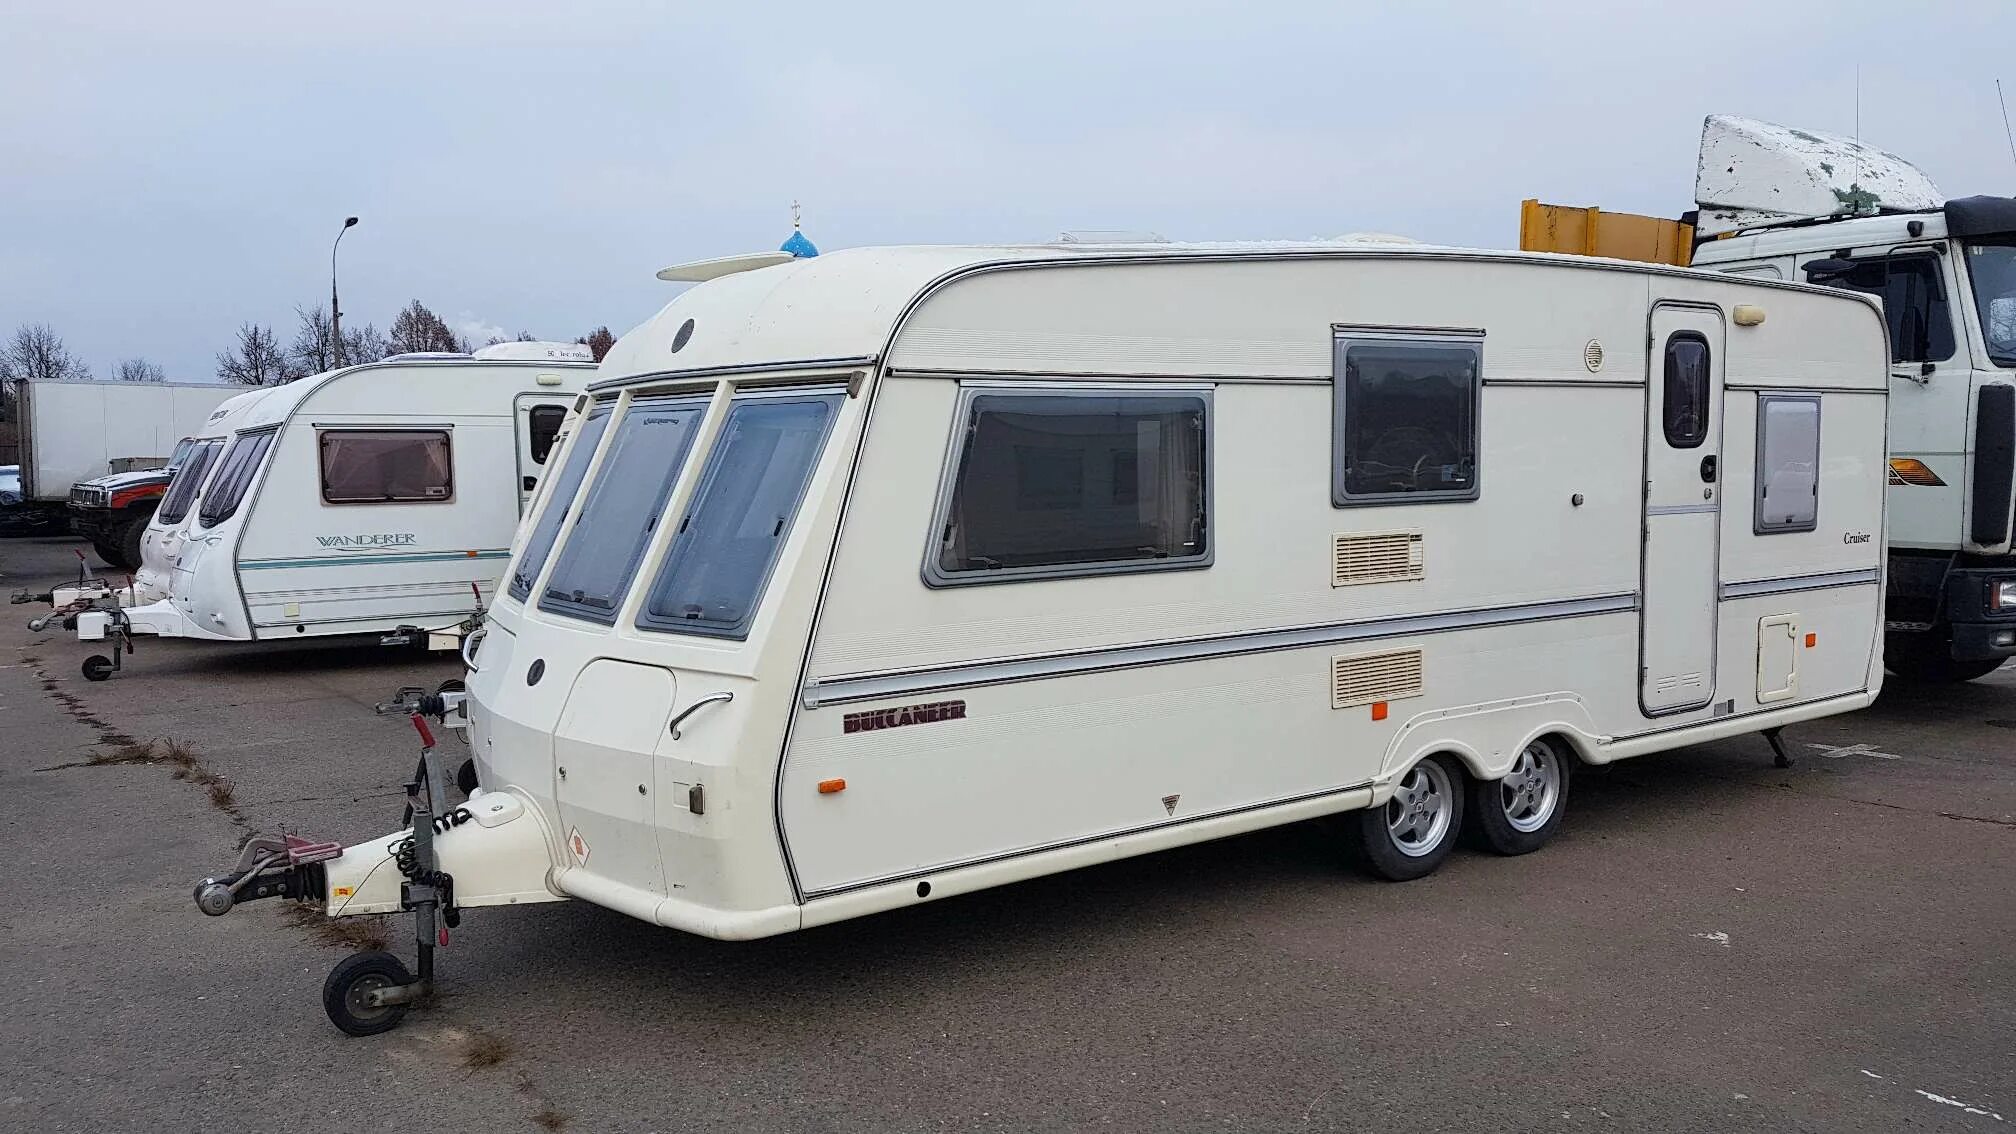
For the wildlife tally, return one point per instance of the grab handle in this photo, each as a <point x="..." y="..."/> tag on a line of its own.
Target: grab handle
<point x="696" y="706"/>
<point x="469" y="646"/>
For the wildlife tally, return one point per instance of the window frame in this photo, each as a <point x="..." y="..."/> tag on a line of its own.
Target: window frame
<point x="592" y="482"/>
<point x="1702" y="405"/>
<point x="836" y="397"/>
<point x="1758" y="525"/>
<point x="210" y="449"/>
<point x="204" y="519"/>
<point x="959" y="444"/>
<point x="1344" y="336"/>
<point x="323" y="433"/>
<point x="1931" y="255"/>
<point x="546" y="499"/>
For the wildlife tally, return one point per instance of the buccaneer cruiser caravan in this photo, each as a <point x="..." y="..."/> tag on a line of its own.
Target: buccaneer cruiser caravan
<point x="899" y="573"/>
<point x="376" y="499"/>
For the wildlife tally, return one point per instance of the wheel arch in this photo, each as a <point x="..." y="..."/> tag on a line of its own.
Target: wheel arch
<point x="1486" y="737"/>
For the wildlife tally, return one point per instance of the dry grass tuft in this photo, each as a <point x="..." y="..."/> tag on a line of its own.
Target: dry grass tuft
<point x="481" y="1051"/>
<point x="221" y="793"/>
<point x="124" y="754"/>
<point x="362" y="933"/>
<point x="179" y="754"/>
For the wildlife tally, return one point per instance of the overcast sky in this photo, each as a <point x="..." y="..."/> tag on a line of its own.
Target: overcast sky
<point x="168" y="171"/>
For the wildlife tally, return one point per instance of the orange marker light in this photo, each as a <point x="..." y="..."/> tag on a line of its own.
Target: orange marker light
<point x="828" y="787"/>
<point x="1812" y="640"/>
<point x="1378" y="710"/>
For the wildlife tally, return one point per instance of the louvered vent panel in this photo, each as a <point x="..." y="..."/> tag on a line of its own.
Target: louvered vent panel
<point x="1375" y="557"/>
<point x="1366" y="678"/>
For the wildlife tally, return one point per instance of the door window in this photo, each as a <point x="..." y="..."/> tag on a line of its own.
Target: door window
<point x="1686" y="390"/>
<point x="1913" y="289"/>
<point x="542" y="428"/>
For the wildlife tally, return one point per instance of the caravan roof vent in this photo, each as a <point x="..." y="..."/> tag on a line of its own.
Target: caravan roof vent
<point x="700" y="271"/>
<point x="530" y="351"/>
<point x="426" y="356"/>
<point x="1110" y="236"/>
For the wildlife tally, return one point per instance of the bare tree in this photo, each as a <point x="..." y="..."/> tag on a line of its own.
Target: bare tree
<point x="417" y="329"/>
<point x="598" y="342"/>
<point x="140" y="370"/>
<point x="36" y="354"/>
<point x="312" y="350"/>
<point x="364" y="344"/>
<point x="257" y="360"/>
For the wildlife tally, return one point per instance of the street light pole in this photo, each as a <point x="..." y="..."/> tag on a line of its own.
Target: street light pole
<point x="335" y="311"/>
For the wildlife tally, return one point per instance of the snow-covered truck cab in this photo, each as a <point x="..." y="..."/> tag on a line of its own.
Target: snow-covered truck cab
<point x="374" y="499"/>
<point x="1777" y="203"/>
<point x="898" y="573"/>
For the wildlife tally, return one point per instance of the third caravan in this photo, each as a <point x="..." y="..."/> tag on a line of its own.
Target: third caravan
<point x="994" y="562"/>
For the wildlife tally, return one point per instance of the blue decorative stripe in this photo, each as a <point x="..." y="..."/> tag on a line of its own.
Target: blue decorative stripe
<point x="345" y="560"/>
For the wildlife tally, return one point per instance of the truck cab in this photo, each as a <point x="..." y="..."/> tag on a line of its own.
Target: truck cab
<point x="112" y="512"/>
<point x="1947" y="278"/>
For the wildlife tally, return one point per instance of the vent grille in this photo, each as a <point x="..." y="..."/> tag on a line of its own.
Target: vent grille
<point x="1366" y="678"/>
<point x="1592" y="356"/>
<point x="1375" y="557"/>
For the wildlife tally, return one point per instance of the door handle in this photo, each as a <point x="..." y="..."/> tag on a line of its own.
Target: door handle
<point x="710" y="699"/>
<point x="531" y="482"/>
<point x="1708" y="469"/>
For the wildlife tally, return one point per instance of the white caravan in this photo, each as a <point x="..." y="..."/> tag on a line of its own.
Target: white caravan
<point x="981" y="564"/>
<point x="376" y="499"/>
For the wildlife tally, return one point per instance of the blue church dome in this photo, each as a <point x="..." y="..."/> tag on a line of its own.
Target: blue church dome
<point x="797" y="245"/>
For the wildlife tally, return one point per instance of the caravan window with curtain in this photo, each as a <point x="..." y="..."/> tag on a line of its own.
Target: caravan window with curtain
<point x="386" y="466"/>
<point x="1055" y="483"/>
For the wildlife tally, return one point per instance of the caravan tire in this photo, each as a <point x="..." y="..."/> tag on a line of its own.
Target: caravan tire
<point x="1519" y="812"/>
<point x="1409" y="835"/>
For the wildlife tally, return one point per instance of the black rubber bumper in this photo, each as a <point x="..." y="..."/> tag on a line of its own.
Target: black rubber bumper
<point x="1980" y="631"/>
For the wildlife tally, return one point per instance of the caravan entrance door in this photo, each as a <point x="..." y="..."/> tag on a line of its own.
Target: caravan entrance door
<point x="1683" y="504"/>
<point x="539" y="418"/>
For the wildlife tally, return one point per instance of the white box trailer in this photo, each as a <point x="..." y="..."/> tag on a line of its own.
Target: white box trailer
<point x="900" y="573"/>
<point x="78" y="431"/>
<point x="373" y="500"/>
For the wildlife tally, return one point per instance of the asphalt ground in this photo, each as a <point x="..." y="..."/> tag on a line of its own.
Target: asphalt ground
<point x="1710" y="943"/>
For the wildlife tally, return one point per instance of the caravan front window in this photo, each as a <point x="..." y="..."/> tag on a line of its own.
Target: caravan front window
<point x="1052" y="483"/>
<point x="182" y="490"/>
<point x="234" y="476"/>
<point x="560" y="499"/>
<point x="727" y="545"/>
<point x="622" y="508"/>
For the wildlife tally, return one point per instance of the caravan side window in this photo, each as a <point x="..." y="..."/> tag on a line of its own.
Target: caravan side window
<point x="1404" y="418"/>
<point x="234" y="477"/>
<point x="385" y="466"/>
<point x="1049" y="483"/>
<point x="1788" y="464"/>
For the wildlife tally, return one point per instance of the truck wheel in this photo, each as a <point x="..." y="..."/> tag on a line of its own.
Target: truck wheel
<point x="127" y="541"/>
<point x="1415" y="830"/>
<point x="106" y="552"/>
<point x="1925" y="658"/>
<point x="359" y="973"/>
<point x="1518" y="814"/>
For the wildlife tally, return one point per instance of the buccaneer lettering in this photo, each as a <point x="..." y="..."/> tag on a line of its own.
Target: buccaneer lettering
<point x="903" y="715"/>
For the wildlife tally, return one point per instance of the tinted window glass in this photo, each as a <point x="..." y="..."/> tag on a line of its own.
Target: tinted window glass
<point x="1686" y="382"/>
<point x="560" y="500"/>
<point x="1405" y="420"/>
<point x="622" y="508"/>
<point x="727" y="544"/>
<point x="1914" y="303"/>
<point x="386" y="466"/>
<point x="1788" y="464"/>
<point x="182" y="490"/>
<point x="542" y="428"/>
<point x="1061" y="483"/>
<point x="234" y="476"/>
<point x="1993" y="270"/>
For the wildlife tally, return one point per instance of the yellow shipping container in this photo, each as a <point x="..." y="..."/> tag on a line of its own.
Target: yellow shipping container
<point x="1593" y="232"/>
